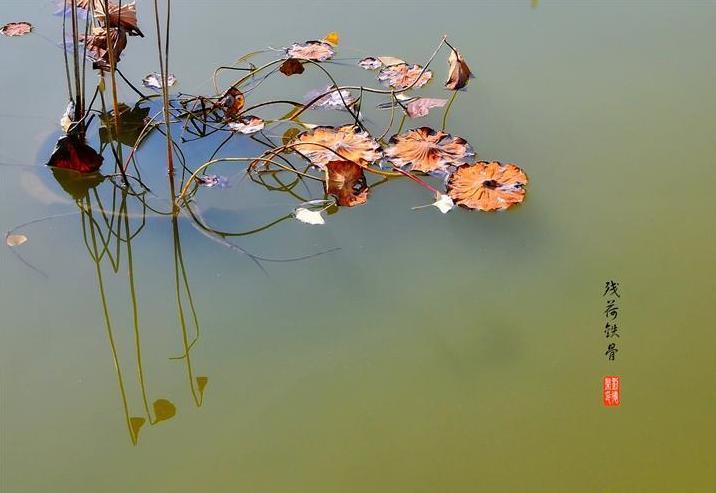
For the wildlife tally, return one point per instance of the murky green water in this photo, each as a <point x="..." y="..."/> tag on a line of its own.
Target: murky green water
<point x="453" y="353"/>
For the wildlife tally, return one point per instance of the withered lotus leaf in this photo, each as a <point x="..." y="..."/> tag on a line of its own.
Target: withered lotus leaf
<point x="428" y="150"/>
<point x="232" y="102"/>
<point x="403" y="76"/>
<point x="322" y="145"/>
<point x="247" y="125"/>
<point x="334" y="99"/>
<point x="123" y="16"/>
<point x="318" y="51"/>
<point x="291" y="67"/>
<point x="16" y="29"/>
<point x="459" y="73"/>
<point x="98" y="48"/>
<point x="487" y="186"/>
<point x="346" y="181"/>
<point x="71" y="152"/>
<point x="422" y="106"/>
<point x="370" y="63"/>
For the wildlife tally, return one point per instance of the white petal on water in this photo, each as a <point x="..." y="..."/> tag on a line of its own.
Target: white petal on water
<point x="15" y="240"/>
<point x="308" y="216"/>
<point x="154" y="81"/>
<point x="444" y="203"/>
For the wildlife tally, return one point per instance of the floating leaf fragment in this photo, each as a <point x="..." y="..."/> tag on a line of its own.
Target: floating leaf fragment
<point x="71" y="152"/>
<point x="163" y="410"/>
<point x="334" y="99"/>
<point x="325" y="144"/>
<point x="428" y="150"/>
<point x="346" y="182"/>
<point x="248" y="124"/>
<point x="390" y="60"/>
<point x="403" y="76"/>
<point x="210" y="181"/>
<point x="308" y="216"/>
<point x="487" y="186"/>
<point x="16" y="29"/>
<point x="370" y="63"/>
<point x="317" y="51"/>
<point x="332" y="38"/>
<point x="154" y="81"/>
<point x="459" y="73"/>
<point x="15" y="240"/>
<point x="422" y="106"/>
<point x="291" y="67"/>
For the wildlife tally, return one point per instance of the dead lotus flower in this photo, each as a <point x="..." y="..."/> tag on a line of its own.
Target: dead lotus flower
<point x="346" y="181"/>
<point x="98" y="49"/>
<point x="232" y="102"/>
<point x="325" y="144"/>
<point x="459" y="73"/>
<point x="16" y="29"/>
<point x="318" y="51"/>
<point x="403" y="76"/>
<point x="487" y="186"/>
<point x="124" y="16"/>
<point x="71" y="152"/>
<point x="427" y="150"/>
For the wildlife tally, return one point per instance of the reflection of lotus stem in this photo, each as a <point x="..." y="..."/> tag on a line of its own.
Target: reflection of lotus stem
<point x="164" y="72"/>
<point x="447" y="110"/>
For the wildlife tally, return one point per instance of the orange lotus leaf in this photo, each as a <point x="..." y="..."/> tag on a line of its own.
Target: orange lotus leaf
<point x="428" y="150"/>
<point x="318" y="51"/>
<point x="346" y="181"/>
<point x="487" y="186"/>
<point x="403" y="76"/>
<point x="322" y="145"/>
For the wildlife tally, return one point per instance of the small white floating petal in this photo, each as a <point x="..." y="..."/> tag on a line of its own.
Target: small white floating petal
<point x="444" y="203"/>
<point x="247" y="125"/>
<point x="15" y="240"/>
<point x="308" y="216"/>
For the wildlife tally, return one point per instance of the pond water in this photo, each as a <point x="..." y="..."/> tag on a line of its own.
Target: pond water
<point x="418" y="352"/>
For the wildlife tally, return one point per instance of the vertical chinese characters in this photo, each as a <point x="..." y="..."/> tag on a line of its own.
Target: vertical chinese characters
<point x="611" y="314"/>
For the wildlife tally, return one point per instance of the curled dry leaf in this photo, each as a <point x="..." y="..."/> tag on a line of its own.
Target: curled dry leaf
<point x="346" y="182"/>
<point x="318" y="51"/>
<point x="16" y="29"/>
<point x="325" y="144"/>
<point x="247" y="124"/>
<point x="123" y="16"/>
<point x="487" y="186"/>
<point x="232" y="102"/>
<point x="370" y="63"/>
<point x="291" y="66"/>
<point x="422" y="106"/>
<point x="403" y="76"/>
<point x="427" y="150"/>
<point x="334" y="99"/>
<point x="15" y="240"/>
<point x="98" y="48"/>
<point x="154" y="81"/>
<point x="71" y="152"/>
<point x="459" y="73"/>
<point x="332" y="38"/>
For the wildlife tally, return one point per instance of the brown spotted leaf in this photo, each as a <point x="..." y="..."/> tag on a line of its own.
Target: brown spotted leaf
<point x="428" y="150"/>
<point x="487" y="186"/>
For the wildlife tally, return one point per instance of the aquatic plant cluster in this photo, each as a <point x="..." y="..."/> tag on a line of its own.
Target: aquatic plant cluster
<point x="341" y="156"/>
